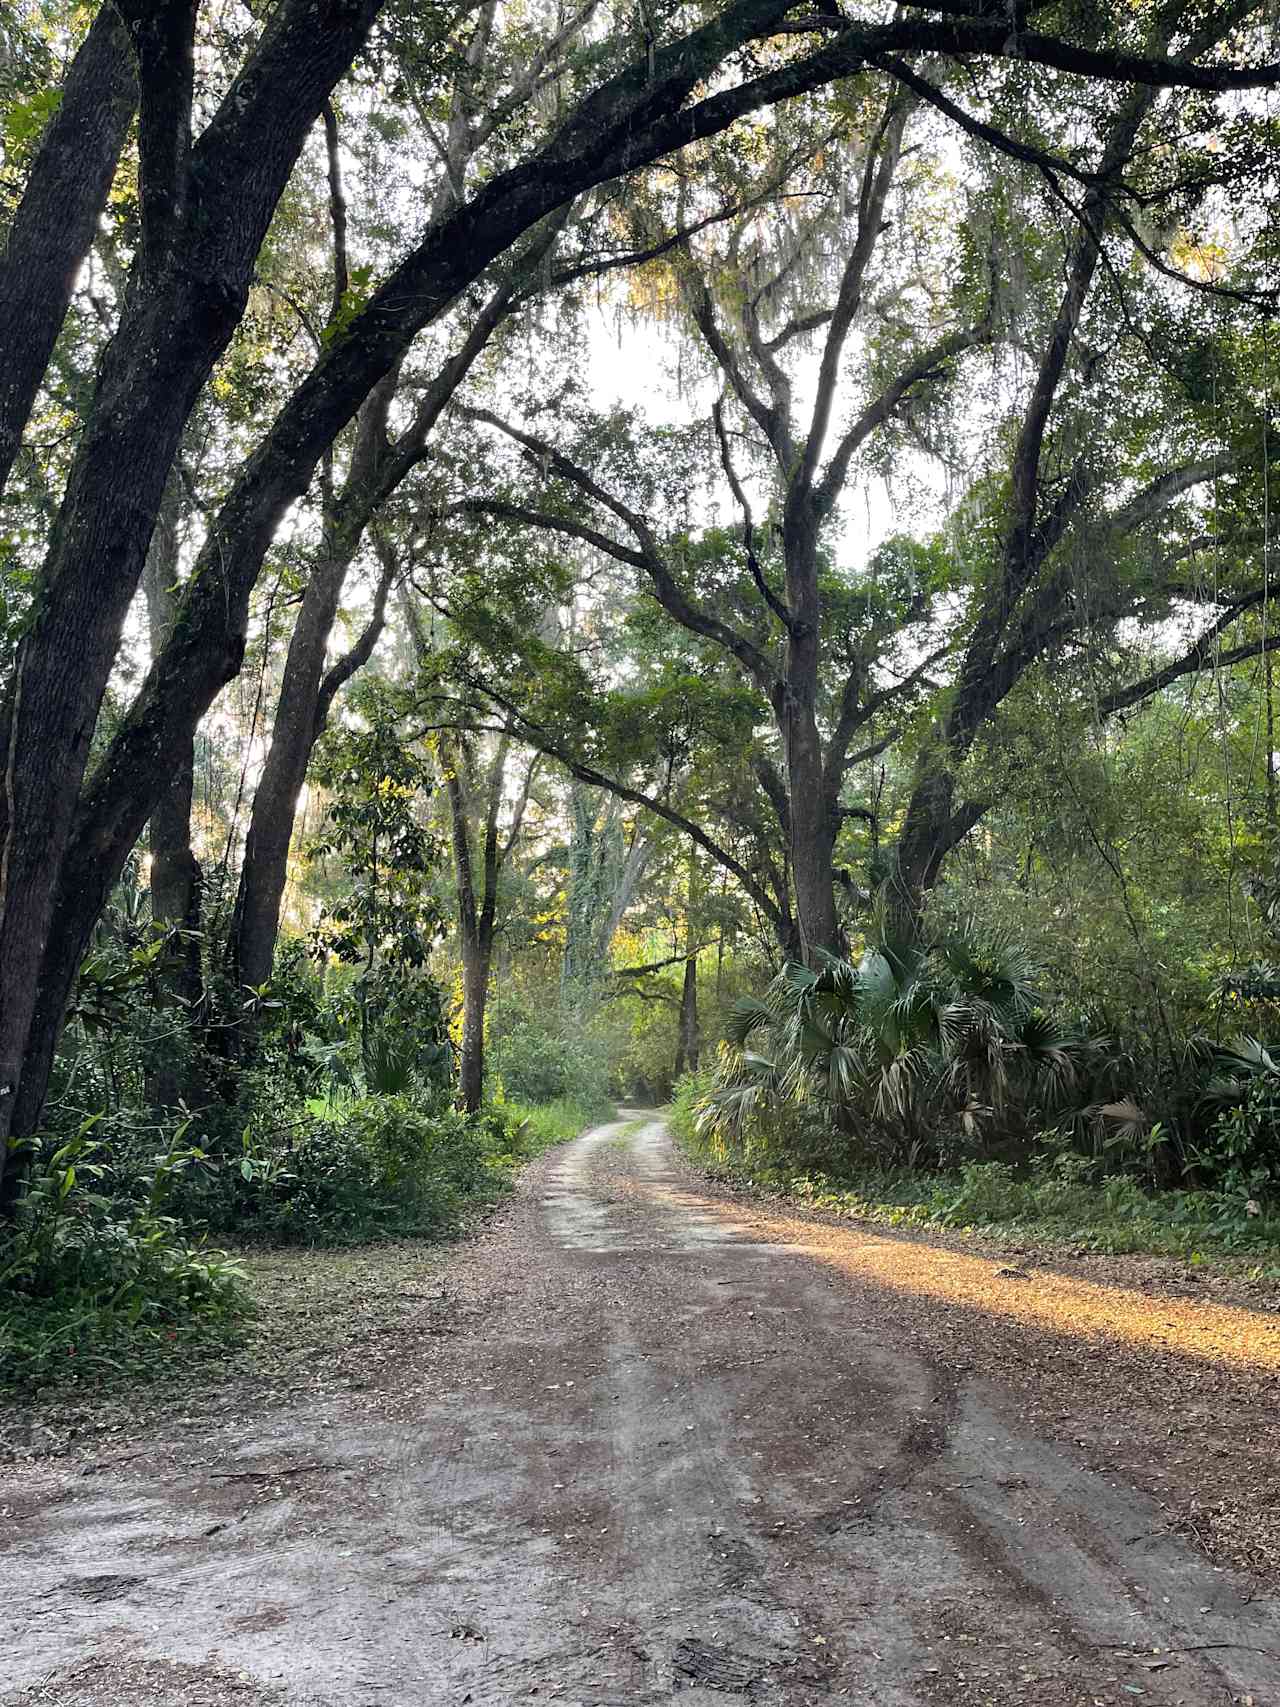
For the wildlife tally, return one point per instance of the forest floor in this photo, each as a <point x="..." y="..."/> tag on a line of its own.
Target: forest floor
<point x="642" y="1439"/>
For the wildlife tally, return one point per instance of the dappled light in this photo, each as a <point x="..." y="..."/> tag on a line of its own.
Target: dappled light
<point x="1001" y="1288"/>
<point x="640" y="849"/>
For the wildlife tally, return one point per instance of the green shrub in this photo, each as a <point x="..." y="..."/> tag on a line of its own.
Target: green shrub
<point x="539" y="1128"/>
<point x="537" y="1065"/>
<point x="99" y="1271"/>
<point x="1240" y="1154"/>
<point x="356" y="1168"/>
<point x="916" y="1053"/>
<point x="772" y="1135"/>
<point x="686" y="1102"/>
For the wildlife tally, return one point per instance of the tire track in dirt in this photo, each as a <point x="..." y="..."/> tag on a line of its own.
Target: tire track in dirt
<point x="675" y="1457"/>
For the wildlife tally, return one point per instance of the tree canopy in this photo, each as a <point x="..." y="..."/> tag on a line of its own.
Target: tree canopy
<point x="362" y="646"/>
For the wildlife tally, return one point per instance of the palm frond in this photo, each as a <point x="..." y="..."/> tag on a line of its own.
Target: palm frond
<point x="749" y="1014"/>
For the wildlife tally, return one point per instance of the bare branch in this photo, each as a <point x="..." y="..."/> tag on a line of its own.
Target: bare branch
<point x="1203" y="654"/>
<point x="766" y="592"/>
<point x="337" y="209"/>
<point x="524" y="517"/>
<point x="548" y="744"/>
<point x="772" y="421"/>
<point x="930" y="365"/>
<point x="522" y="806"/>
<point x="341" y="672"/>
<point x="1156" y="497"/>
<point x="661" y="965"/>
<point x="883" y="154"/>
<point x="667" y="589"/>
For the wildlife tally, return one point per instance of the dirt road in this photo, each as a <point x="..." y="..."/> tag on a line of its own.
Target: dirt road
<point x="683" y="1455"/>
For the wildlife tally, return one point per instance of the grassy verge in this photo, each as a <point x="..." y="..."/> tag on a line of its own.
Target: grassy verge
<point x="1052" y="1203"/>
<point x="551" y="1123"/>
<point x="96" y="1290"/>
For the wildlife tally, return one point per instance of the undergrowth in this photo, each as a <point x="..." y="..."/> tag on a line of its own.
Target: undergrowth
<point x="551" y="1123"/>
<point x="93" y="1281"/>
<point x="1056" y="1197"/>
<point x="111" y="1266"/>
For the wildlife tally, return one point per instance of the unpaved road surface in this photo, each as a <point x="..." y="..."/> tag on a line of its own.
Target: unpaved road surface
<point x="681" y="1457"/>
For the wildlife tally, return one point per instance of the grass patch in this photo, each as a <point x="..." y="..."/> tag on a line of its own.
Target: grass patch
<point x="547" y="1124"/>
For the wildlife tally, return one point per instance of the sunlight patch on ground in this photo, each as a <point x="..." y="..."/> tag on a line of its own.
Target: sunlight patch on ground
<point x="1057" y="1303"/>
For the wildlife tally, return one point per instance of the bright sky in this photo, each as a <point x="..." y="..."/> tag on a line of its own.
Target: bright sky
<point x="636" y="366"/>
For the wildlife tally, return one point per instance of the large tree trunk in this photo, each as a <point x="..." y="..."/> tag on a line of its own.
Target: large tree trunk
<point x="176" y="878"/>
<point x="175" y="871"/>
<point x="477" y="957"/>
<point x="812" y="850"/>
<point x="256" y="918"/>
<point x="922" y="846"/>
<point x="186" y="296"/>
<point x="933" y="826"/>
<point x="302" y="713"/>
<point x="477" y="913"/>
<point x="56" y="219"/>
<point x="688" y="1042"/>
<point x="812" y="821"/>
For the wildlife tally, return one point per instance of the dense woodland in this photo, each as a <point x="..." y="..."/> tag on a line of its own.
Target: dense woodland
<point x="557" y="553"/>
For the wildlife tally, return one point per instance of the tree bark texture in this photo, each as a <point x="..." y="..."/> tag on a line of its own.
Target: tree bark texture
<point x="477" y="909"/>
<point x="176" y="877"/>
<point x="476" y="965"/>
<point x="205" y="212"/>
<point x="688" y="1042"/>
<point x="54" y="225"/>
<point x="256" y="917"/>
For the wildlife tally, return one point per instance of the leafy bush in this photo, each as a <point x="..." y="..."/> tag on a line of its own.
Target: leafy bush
<point x="351" y="1168"/>
<point x="691" y="1091"/>
<point x="539" y="1065"/>
<point x="322" y="1026"/>
<point x="93" y="1268"/>
<point x="1241" y="1154"/>
<point x="913" y="1054"/>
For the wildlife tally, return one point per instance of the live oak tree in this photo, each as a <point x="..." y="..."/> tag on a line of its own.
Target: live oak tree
<point x="1134" y="416"/>
<point x="212" y="168"/>
<point x="1103" y="470"/>
<point x="755" y="300"/>
<point x="206" y="203"/>
<point x="383" y="452"/>
<point x="661" y="721"/>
